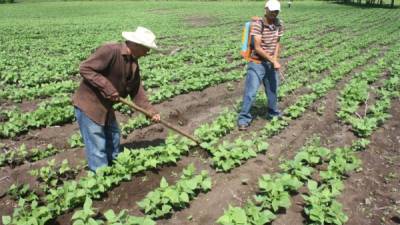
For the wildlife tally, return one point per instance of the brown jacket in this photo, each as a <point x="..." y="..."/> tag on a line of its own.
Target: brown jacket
<point x="111" y="68"/>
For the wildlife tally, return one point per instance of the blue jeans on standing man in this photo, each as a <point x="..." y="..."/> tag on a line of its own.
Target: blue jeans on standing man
<point x="101" y="142"/>
<point x="257" y="74"/>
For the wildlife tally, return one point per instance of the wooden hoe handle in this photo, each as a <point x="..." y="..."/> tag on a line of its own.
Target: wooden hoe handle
<point x="170" y="126"/>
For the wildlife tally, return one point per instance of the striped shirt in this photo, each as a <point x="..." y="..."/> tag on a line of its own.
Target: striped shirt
<point x="269" y="36"/>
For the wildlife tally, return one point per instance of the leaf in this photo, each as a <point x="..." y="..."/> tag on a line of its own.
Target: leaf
<point x="189" y="171"/>
<point x="266" y="217"/>
<point x="224" y="219"/>
<point x="148" y="221"/>
<point x="144" y="205"/>
<point x="206" y="184"/>
<point x="87" y="206"/>
<point x="262" y="146"/>
<point x="312" y="185"/>
<point x="192" y="184"/>
<point x="163" y="183"/>
<point x="91" y="182"/>
<point x="152" y="163"/>
<point x="78" y="215"/>
<point x="166" y="209"/>
<point x="110" y="215"/>
<point x="172" y="195"/>
<point x="91" y="221"/>
<point x="239" y="216"/>
<point x="184" y="197"/>
<point x="79" y="222"/>
<point x="6" y="220"/>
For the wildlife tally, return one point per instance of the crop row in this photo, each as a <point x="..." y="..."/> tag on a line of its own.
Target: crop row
<point x="73" y="193"/>
<point x="275" y="191"/>
<point x="160" y="202"/>
<point x="357" y="91"/>
<point x="14" y="157"/>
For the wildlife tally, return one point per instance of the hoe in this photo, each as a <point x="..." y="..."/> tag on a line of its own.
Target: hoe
<point x="170" y="126"/>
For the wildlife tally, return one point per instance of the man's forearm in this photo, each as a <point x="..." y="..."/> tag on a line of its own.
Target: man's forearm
<point x="265" y="55"/>
<point x="141" y="100"/>
<point x="97" y="80"/>
<point x="277" y="51"/>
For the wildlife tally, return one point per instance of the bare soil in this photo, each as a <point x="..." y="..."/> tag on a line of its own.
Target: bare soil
<point x="199" y="21"/>
<point x="370" y="197"/>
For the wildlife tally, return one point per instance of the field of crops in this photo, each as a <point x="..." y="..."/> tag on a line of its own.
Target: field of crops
<point x="333" y="158"/>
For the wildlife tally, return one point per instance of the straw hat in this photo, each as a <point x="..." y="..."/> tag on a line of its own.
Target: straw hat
<point x="142" y="36"/>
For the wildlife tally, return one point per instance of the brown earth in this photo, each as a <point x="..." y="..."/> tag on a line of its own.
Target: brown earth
<point x="241" y="183"/>
<point x="199" y="21"/>
<point x="370" y="196"/>
<point x="196" y="107"/>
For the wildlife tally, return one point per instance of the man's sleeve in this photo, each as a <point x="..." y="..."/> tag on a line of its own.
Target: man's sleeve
<point x="92" y="68"/>
<point x="255" y="28"/>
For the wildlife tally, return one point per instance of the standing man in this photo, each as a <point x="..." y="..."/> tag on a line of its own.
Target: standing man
<point x="111" y="72"/>
<point x="264" y="63"/>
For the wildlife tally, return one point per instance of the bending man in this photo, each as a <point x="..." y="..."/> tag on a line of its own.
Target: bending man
<point x="111" y="72"/>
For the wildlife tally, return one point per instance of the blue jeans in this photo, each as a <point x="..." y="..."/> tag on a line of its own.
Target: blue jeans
<point x="101" y="142"/>
<point x="257" y="74"/>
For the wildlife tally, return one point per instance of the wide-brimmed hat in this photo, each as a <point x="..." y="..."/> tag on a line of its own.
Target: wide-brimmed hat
<point x="142" y="36"/>
<point x="273" y="5"/>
